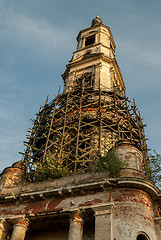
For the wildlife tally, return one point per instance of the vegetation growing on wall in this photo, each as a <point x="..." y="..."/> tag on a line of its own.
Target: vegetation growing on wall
<point x="49" y="168"/>
<point x="111" y="163"/>
<point x="155" y="163"/>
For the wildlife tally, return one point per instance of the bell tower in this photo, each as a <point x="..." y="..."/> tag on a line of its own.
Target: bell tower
<point x="95" y="54"/>
<point x="85" y="173"/>
<point x="92" y="114"/>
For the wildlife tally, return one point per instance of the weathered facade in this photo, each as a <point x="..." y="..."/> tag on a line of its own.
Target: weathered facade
<point x="79" y="127"/>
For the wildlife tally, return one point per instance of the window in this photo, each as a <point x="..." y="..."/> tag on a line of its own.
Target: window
<point x="90" y="40"/>
<point x="142" y="236"/>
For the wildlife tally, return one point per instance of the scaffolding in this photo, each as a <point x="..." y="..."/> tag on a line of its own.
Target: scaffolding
<point x="82" y="124"/>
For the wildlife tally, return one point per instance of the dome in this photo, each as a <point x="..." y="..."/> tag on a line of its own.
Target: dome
<point x="96" y="21"/>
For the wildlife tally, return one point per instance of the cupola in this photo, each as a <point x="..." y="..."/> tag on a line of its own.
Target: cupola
<point x="96" y="21"/>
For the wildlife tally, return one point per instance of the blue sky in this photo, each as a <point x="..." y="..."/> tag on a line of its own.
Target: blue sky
<point x="37" y="39"/>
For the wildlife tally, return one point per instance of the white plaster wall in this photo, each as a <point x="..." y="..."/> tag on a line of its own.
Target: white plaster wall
<point x="105" y="76"/>
<point x="104" y="37"/>
<point x="101" y="70"/>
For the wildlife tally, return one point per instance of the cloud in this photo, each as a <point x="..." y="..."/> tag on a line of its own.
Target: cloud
<point x="34" y="34"/>
<point x="140" y="65"/>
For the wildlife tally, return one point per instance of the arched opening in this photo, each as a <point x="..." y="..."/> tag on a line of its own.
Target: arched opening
<point x="142" y="236"/>
<point x="90" y="40"/>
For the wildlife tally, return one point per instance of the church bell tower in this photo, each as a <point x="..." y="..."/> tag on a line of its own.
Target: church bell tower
<point x="95" y="54"/>
<point x="85" y="173"/>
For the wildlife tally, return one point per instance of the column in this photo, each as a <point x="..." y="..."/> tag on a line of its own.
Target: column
<point x="4" y="226"/>
<point x="103" y="223"/>
<point x="19" y="229"/>
<point x="76" y="227"/>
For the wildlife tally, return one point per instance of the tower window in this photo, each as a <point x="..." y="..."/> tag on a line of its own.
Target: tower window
<point x="90" y="40"/>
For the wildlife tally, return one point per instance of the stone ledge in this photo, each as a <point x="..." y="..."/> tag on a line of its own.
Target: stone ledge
<point x="74" y="185"/>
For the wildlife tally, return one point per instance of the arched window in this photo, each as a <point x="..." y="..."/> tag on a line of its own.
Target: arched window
<point x="142" y="236"/>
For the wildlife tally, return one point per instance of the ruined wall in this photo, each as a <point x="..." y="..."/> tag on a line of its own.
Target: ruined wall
<point x="132" y="212"/>
<point x="110" y="208"/>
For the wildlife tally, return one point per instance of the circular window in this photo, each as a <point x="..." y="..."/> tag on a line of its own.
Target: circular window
<point x="142" y="236"/>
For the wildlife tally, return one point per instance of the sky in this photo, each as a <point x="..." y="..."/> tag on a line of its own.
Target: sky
<point x="37" y="39"/>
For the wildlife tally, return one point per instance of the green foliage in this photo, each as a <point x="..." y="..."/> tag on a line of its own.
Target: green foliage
<point x="111" y="163"/>
<point x="155" y="163"/>
<point x="49" y="169"/>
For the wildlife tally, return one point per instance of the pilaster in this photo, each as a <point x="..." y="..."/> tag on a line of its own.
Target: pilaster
<point x="104" y="223"/>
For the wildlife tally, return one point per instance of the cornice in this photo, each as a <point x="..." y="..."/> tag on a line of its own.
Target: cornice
<point x="76" y="185"/>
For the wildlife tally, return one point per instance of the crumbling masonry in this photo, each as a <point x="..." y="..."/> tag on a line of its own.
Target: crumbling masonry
<point x="78" y="128"/>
